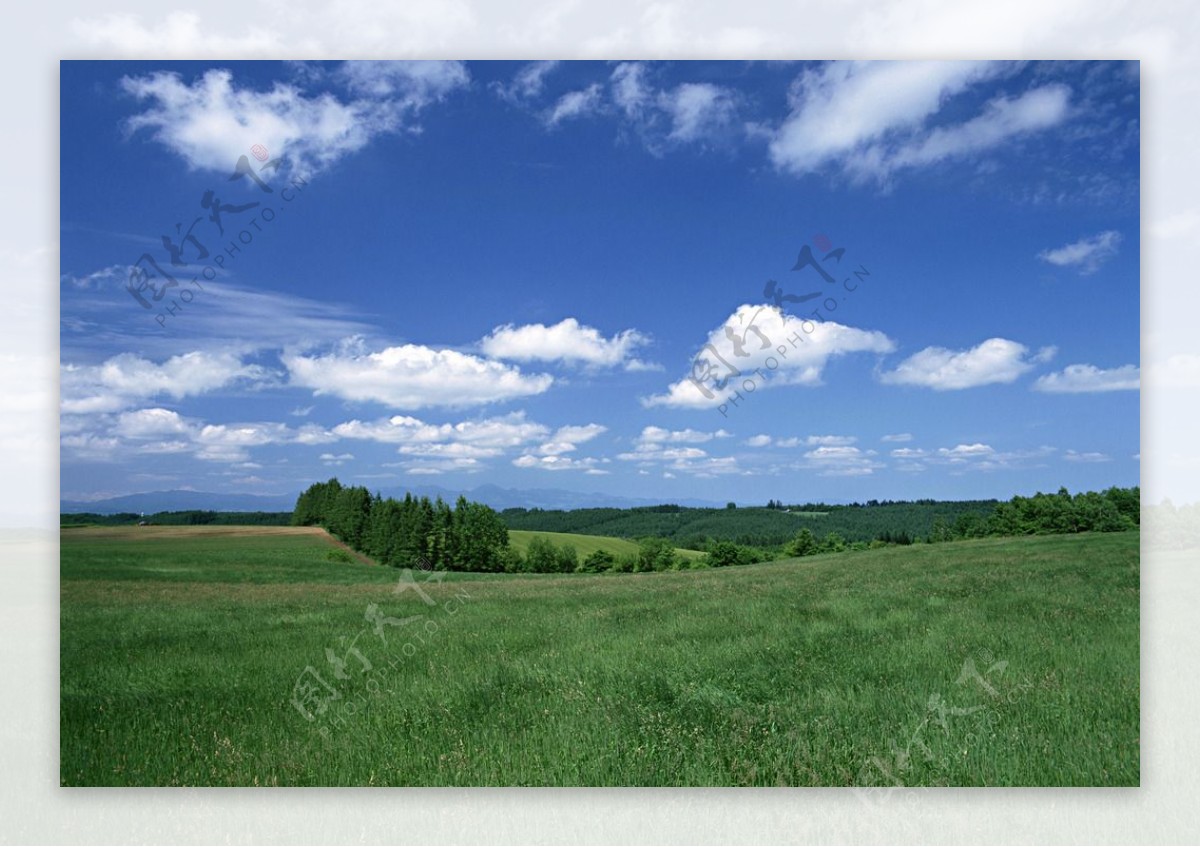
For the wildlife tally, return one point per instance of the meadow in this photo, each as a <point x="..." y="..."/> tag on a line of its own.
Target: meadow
<point x="585" y="544"/>
<point x="197" y="656"/>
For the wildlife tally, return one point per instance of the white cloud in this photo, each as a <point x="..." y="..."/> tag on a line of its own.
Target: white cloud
<point x="335" y="460"/>
<point x="527" y="83"/>
<point x="1087" y="254"/>
<point x="1081" y="379"/>
<point x="568" y="438"/>
<point x="689" y="113"/>
<point x="575" y="104"/>
<point x="212" y="122"/>
<point x="977" y="456"/>
<point x="897" y="438"/>
<point x="758" y="441"/>
<point x="125" y="379"/>
<point x="561" y="463"/>
<point x="1001" y="119"/>
<point x="963" y="450"/>
<point x="908" y="453"/>
<point x="1072" y="456"/>
<point x="228" y="442"/>
<point x="842" y="106"/>
<point x="150" y="431"/>
<point x="412" y="377"/>
<point x="566" y="341"/>
<point x="658" y="435"/>
<point x="841" y="460"/>
<point x="870" y="118"/>
<point x="151" y="423"/>
<point x="495" y="434"/>
<point x="698" y="110"/>
<point x="630" y="90"/>
<point x="996" y="360"/>
<point x="412" y="84"/>
<point x="799" y="363"/>
<point x="830" y="440"/>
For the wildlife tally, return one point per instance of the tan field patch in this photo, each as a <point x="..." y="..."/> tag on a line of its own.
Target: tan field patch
<point x="155" y="533"/>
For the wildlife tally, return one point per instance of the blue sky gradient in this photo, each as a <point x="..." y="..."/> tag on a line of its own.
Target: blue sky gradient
<point x="503" y="272"/>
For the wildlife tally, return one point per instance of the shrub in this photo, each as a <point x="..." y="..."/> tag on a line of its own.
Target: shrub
<point x="597" y="562"/>
<point x="339" y="555"/>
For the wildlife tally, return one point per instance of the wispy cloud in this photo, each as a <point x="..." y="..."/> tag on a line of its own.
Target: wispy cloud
<point x="1085" y="255"/>
<point x="871" y="119"/>
<point x="1087" y="379"/>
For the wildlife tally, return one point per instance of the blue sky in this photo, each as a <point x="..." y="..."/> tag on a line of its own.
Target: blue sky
<point x="472" y="273"/>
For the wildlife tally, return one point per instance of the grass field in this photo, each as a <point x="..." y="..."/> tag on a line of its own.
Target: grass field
<point x="990" y="662"/>
<point x="585" y="544"/>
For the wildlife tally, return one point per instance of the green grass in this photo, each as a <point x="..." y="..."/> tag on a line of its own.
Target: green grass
<point x="179" y="653"/>
<point x="585" y="544"/>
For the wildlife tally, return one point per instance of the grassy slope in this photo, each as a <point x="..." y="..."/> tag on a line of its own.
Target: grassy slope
<point x="585" y="544"/>
<point x="179" y="656"/>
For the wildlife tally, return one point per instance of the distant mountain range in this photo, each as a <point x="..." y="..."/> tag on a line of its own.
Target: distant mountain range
<point x="491" y="495"/>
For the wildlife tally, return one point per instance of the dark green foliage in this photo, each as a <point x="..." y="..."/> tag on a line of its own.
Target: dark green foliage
<point x="541" y="557"/>
<point x="722" y="554"/>
<point x="804" y="544"/>
<point x="412" y="533"/>
<point x="820" y="528"/>
<point x="752" y="526"/>
<point x="189" y="517"/>
<point x="1113" y="510"/>
<point x="656" y="554"/>
<point x="339" y="555"/>
<point x="567" y="559"/>
<point x="598" y="561"/>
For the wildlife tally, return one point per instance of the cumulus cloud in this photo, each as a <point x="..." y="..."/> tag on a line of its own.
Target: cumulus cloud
<point x="491" y="434"/>
<point x="212" y="121"/>
<point x="759" y="332"/>
<point x="127" y="379"/>
<point x="152" y="431"/>
<point x="997" y="360"/>
<point x="1087" y="379"/>
<point x="561" y="463"/>
<point x="658" y="435"/>
<point x="871" y="118"/>
<point x="567" y="341"/>
<point x="411" y="376"/>
<point x="977" y="456"/>
<point x="674" y="450"/>
<point x="842" y="460"/>
<point x="897" y="438"/>
<point x="1085" y="255"/>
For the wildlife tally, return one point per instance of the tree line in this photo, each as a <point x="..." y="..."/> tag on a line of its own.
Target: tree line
<point x="409" y="533"/>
